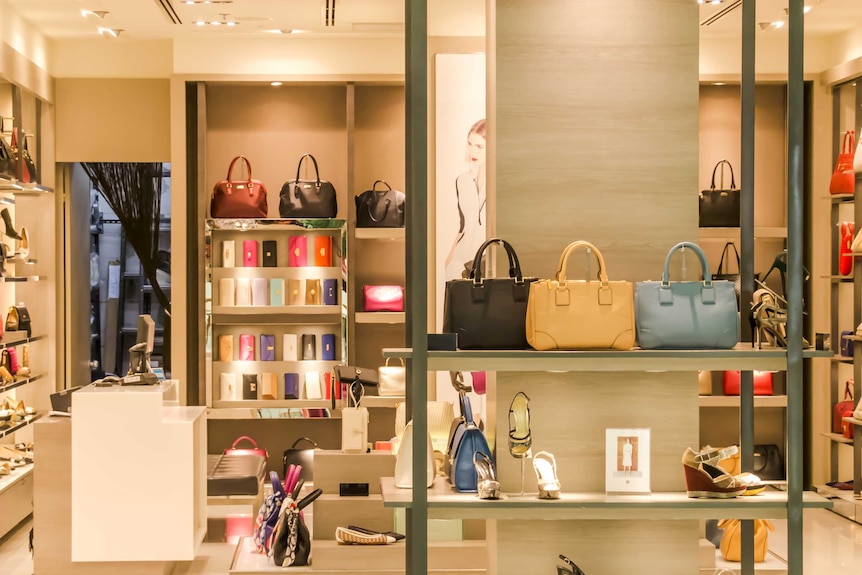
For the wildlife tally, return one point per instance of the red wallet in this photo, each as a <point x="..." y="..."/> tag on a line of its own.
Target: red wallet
<point x="323" y="251"/>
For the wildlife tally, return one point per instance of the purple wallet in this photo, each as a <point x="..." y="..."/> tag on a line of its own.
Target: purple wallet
<point x="291" y="386"/>
<point x="330" y="292"/>
<point x="267" y="347"/>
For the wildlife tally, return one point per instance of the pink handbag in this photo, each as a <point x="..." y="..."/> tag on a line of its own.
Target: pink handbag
<point x="383" y="298"/>
<point x="255" y="450"/>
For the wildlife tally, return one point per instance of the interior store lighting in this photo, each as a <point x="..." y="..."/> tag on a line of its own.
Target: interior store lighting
<point x="276" y="84"/>
<point x="805" y="10"/>
<point x="100" y="14"/>
<point x="223" y="22"/>
<point x="112" y="32"/>
<point x="195" y="2"/>
<point x="710" y="1"/>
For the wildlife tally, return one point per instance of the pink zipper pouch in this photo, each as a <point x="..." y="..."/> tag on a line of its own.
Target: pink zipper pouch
<point x="383" y="298"/>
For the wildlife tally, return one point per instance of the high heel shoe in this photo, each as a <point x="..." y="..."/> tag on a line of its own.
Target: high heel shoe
<point x="713" y="455"/>
<point x="24" y="368"/>
<point x="486" y="484"/>
<point x="7" y="220"/>
<point x="545" y="466"/>
<point x="705" y="480"/>
<point x="520" y="440"/>
<point x="569" y="568"/>
<point x="22" y="248"/>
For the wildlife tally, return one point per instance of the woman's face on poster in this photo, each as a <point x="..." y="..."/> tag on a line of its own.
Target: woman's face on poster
<point x="476" y="151"/>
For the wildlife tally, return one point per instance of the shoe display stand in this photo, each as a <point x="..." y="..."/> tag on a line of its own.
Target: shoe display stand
<point x="29" y="278"/>
<point x="846" y="314"/>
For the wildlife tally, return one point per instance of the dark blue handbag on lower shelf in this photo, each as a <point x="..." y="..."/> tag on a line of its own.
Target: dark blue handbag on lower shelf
<point x="467" y="440"/>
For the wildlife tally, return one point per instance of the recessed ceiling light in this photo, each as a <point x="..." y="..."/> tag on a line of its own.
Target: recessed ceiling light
<point x="100" y="14"/>
<point x="767" y="26"/>
<point x="112" y="32"/>
<point x="299" y="31"/>
<point x="276" y="84"/>
<point x="195" y="2"/>
<point x="710" y="1"/>
<point x="718" y="83"/>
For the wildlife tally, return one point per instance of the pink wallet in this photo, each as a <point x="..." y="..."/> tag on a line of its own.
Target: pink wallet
<point x="383" y="298"/>
<point x="246" y="347"/>
<point x="249" y="253"/>
<point x="297" y="251"/>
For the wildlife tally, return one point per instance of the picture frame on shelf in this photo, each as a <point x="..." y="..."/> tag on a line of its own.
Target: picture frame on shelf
<point x="627" y="460"/>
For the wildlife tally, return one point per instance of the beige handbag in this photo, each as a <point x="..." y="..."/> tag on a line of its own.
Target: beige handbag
<point x="391" y="379"/>
<point x="581" y="314"/>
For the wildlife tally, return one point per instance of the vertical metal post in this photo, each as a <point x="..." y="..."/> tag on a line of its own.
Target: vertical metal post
<point x="746" y="394"/>
<point x="38" y="150"/>
<point x="416" y="92"/>
<point x="835" y="287"/>
<point x="796" y="111"/>
<point x="857" y="311"/>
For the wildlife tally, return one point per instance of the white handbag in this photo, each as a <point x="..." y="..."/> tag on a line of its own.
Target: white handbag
<point x="392" y="379"/>
<point x="404" y="460"/>
<point x="354" y="424"/>
<point x="440" y="416"/>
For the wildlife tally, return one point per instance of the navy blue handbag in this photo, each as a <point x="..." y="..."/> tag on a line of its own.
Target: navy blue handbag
<point x="467" y="439"/>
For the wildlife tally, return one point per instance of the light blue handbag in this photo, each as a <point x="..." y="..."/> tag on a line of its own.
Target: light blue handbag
<point x="686" y="315"/>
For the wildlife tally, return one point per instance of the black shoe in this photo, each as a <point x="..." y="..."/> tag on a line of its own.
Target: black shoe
<point x="10" y="229"/>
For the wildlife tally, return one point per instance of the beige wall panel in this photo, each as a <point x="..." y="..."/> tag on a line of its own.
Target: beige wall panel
<point x="379" y="137"/>
<point x="598" y="547"/>
<point x="273" y="128"/>
<point x="113" y="120"/>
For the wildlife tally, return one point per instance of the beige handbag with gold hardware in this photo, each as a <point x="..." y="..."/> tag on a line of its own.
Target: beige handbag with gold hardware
<point x="581" y="314"/>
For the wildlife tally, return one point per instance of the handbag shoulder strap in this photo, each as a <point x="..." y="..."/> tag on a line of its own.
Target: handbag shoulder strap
<point x="299" y="167"/>
<point x="848" y="390"/>
<point x="305" y="501"/>
<point x="402" y="362"/>
<point x="847" y="142"/>
<point x="301" y="439"/>
<point x="602" y="274"/>
<point x="722" y="163"/>
<point x="704" y="264"/>
<point x="233" y="163"/>
<point x="514" y="263"/>
<point x="727" y="247"/>
<point x="384" y="182"/>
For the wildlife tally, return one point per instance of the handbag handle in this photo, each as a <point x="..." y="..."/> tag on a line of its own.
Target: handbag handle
<point x="704" y="264"/>
<point x="722" y="163"/>
<point x="351" y="394"/>
<point x="384" y="182"/>
<point x="459" y="385"/>
<point x="561" y="267"/>
<point x="514" y="264"/>
<point x="238" y="439"/>
<point x="305" y="501"/>
<point x="276" y="483"/>
<point x="848" y="391"/>
<point x="388" y="358"/>
<point x="726" y="249"/>
<point x="316" y="172"/>
<point x="467" y="410"/>
<point x="849" y="135"/>
<point x="233" y="162"/>
<point x="301" y="439"/>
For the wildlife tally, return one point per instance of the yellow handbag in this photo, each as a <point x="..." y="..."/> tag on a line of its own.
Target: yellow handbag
<point x="730" y="539"/>
<point x="581" y="314"/>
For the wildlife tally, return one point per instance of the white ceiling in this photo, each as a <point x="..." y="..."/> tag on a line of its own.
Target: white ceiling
<point x="147" y="19"/>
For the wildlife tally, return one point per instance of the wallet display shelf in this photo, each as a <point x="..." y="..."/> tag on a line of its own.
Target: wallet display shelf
<point x="388" y="317"/>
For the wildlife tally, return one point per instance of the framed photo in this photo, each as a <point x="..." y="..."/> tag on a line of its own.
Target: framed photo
<point x="627" y="461"/>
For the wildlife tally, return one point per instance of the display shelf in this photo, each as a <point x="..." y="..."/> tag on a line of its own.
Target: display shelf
<point x="759" y="233"/>
<point x="274" y="403"/>
<point x="391" y="317"/>
<point x="389" y="401"/>
<point x="250" y="224"/>
<point x="852" y="420"/>
<point x="773" y="565"/>
<point x="841" y="198"/>
<point x="9" y="386"/>
<point x="7" y="428"/>
<point x="19" y="279"/>
<point x="273" y="365"/>
<point x="254" y="413"/>
<point x="445" y="503"/>
<point x="839" y="278"/>
<point x="17" y="475"/>
<point x="20" y="188"/>
<point x="733" y="401"/>
<point x="844" y="503"/>
<point x="21" y="341"/>
<point x="300" y="272"/>
<point x="836" y="437"/>
<point x="840" y="359"/>
<point x="741" y="357"/>
<point x="379" y="233"/>
<point x="258" y="311"/>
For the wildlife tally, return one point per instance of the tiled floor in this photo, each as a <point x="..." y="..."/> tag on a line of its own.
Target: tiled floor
<point x="833" y="545"/>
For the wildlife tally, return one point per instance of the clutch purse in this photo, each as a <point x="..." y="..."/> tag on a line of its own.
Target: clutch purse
<point x="243" y="291"/>
<point x="246" y="347"/>
<point x="228" y="254"/>
<point x="249" y="386"/>
<point x="383" y="298"/>
<point x="268" y="386"/>
<point x="762" y="382"/>
<point x="309" y="347"/>
<point x="267" y="348"/>
<point x="323" y="251"/>
<point x="249" y="253"/>
<point x="289" y="352"/>
<point x="276" y="291"/>
<point x="227" y="382"/>
<point x="258" y="291"/>
<point x="227" y="292"/>
<point x="270" y="253"/>
<point x="312" y="292"/>
<point x="295" y="292"/>
<point x="330" y="292"/>
<point x="327" y="346"/>
<point x="312" y="385"/>
<point x="298" y="248"/>
<point x="580" y="314"/>
<point x="291" y="386"/>
<point x="686" y="315"/>
<point x="225" y="348"/>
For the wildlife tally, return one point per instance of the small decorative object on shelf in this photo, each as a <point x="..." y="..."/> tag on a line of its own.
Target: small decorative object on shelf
<point x="627" y="460"/>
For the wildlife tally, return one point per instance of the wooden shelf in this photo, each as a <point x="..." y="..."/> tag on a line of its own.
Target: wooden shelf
<point x="21" y="341"/>
<point x="853" y="420"/>
<point x="19" y="279"/>
<point x="759" y="233"/>
<point x="837" y="437"/>
<point x="20" y="188"/>
<point x="773" y="565"/>
<point x="258" y="312"/>
<point x="17" y="475"/>
<point x="274" y="403"/>
<point x="379" y="233"/>
<point x="742" y="357"/>
<point x="445" y="503"/>
<point x="380" y="317"/>
<point x="9" y="386"/>
<point x="839" y="279"/>
<point x="7" y="428"/>
<point x="841" y="198"/>
<point x="386" y="401"/>
<point x="274" y="365"/>
<point x="733" y="401"/>
<point x="840" y="359"/>
<point x="222" y="413"/>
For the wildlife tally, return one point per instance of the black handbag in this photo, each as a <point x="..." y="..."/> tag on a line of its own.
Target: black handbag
<point x="380" y="209"/>
<point x="488" y="313"/>
<point x="292" y="540"/>
<point x="722" y="273"/>
<point x="303" y="456"/>
<point x="768" y="463"/>
<point x="307" y="198"/>
<point x="719" y="208"/>
<point x="8" y="162"/>
<point x="18" y="319"/>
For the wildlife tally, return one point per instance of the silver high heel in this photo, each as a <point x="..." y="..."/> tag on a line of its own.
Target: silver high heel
<point x="486" y="484"/>
<point x="545" y="466"/>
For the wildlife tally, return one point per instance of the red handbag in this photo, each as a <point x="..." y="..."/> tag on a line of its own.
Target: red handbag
<point x="762" y="382"/>
<point x="845" y="405"/>
<point x="845" y="251"/>
<point x="383" y="298"/>
<point x="846" y="426"/>
<point x="240" y="199"/>
<point x="234" y="450"/>
<point x="843" y="179"/>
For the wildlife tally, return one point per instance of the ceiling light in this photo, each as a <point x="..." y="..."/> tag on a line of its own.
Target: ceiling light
<point x="100" y="14"/>
<point x="299" y="31"/>
<point x="805" y="10"/>
<point x="200" y="23"/>
<point x="718" y="83"/>
<point x="195" y="2"/>
<point x="710" y="1"/>
<point x="113" y="32"/>
<point x="768" y="26"/>
<point x="778" y="24"/>
<point x="274" y="31"/>
<point x="276" y="84"/>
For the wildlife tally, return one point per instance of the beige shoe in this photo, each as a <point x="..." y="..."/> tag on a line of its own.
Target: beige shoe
<point x="346" y="536"/>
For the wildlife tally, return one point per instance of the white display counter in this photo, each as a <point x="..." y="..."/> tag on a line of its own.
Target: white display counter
<point x="138" y="475"/>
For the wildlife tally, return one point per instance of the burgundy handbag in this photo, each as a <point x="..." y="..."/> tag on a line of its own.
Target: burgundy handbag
<point x="762" y="383"/>
<point x="845" y="405"/>
<point x="383" y="298"/>
<point x="234" y="450"/>
<point x="843" y="179"/>
<point x="239" y="199"/>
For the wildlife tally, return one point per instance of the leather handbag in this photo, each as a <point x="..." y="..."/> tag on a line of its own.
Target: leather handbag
<point x="303" y="456"/>
<point x="291" y="386"/>
<point x="291" y="545"/>
<point x="11" y="319"/>
<point x="723" y="274"/>
<point x="268" y="386"/>
<point x="380" y="209"/>
<point x="686" y="314"/>
<point x="258" y="291"/>
<point x="246" y="347"/>
<point x="404" y="460"/>
<point x="441" y="415"/>
<point x="843" y="180"/>
<point x="845" y="404"/>
<point x="239" y="198"/>
<point x="383" y="298"/>
<point x="267" y="347"/>
<point x="228" y="255"/>
<point x="762" y="382"/>
<point x="227" y="384"/>
<point x="249" y="253"/>
<point x="488" y="313"/>
<point x="731" y="539"/>
<point x="704" y="382"/>
<point x="253" y="450"/>
<point x="307" y="198"/>
<point x="768" y="463"/>
<point x="270" y="253"/>
<point x="312" y="292"/>
<point x="845" y="248"/>
<point x="225" y="348"/>
<point x="345" y="375"/>
<point x="580" y="314"/>
<point x="392" y="378"/>
<point x="23" y="319"/>
<point x="462" y="472"/>
<point x="719" y="208"/>
<point x="243" y="291"/>
<point x="8" y="165"/>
